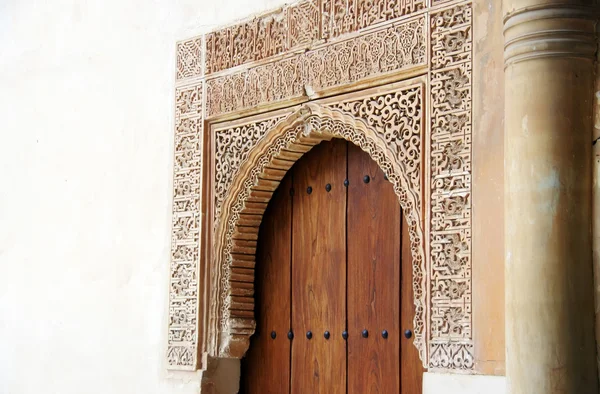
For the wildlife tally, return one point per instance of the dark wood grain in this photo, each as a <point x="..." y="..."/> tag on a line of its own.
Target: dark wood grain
<point x="373" y="278"/>
<point x="411" y="374"/>
<point x="319" y="271"/>
<point x="266" y="367"/>
<point x="330" y="261"/>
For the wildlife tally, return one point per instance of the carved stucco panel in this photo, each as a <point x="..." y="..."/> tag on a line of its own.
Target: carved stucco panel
<point x="451" y="340"/>
<point x="347" y="16"/>
<point x="189" y="58"/>
<point x="395" y="48"/>
<point x="185" y="233"/>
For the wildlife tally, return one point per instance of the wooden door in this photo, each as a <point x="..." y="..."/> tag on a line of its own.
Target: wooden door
<point x="334" y="301"/>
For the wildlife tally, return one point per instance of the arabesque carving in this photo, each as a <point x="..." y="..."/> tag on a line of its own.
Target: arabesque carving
<point x="231" y="150"/>
<point x="450" y="342"/>
<point x="395" y="48"/>
<point x="303" y="51"/>
<point x="346" y="16"/>
<point x="185" y="236"/>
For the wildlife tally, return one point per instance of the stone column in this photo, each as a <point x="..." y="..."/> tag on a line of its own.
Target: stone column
<point x="549" y="80"/>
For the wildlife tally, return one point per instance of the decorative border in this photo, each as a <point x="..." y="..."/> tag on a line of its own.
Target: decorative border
<point x="186" y="235"/>
<point x="392" y="49"/>
<point x="451" y="340"/>
<point x="303" y="51"/>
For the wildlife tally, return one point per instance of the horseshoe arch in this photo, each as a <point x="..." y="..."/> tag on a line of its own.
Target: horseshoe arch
<point x="231" y="320"/>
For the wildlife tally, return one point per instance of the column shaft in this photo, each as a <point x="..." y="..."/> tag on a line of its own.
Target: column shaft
<point x="549" y="80"/>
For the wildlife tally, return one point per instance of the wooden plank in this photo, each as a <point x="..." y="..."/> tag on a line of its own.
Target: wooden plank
<point x="374" y="225"/>
<point x="411" y="374"/>
<point x="266" y="367"/>
<point x="318" y="271"/>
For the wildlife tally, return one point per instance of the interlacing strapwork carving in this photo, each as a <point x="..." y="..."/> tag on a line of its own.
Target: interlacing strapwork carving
<point x="304" y="23"/>
<point x="392" y="49"/>
<point x="185" y="235"/>
<point x="231" y="149"/>
<point x="189" y="58"/>
<point x="451" y="342"/>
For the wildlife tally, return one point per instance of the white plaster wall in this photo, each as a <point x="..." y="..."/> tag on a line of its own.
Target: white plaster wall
<point x="86" y="98"/>
<point x="439" y="383"/>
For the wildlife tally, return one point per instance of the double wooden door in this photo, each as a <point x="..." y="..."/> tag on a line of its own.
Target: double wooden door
<point x="334" y="303"/>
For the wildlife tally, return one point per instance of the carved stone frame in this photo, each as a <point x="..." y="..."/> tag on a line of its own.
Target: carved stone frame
<point x="225" y="177"/>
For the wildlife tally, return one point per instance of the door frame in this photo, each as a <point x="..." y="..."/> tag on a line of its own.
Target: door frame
<point x="282" y="138"/>
<point x="210" y="299"/>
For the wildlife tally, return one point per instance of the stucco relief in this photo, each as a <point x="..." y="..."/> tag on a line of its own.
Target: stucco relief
<point x="185" y="235"/>
<point x="391" y="49"/>
<point x="431" y="158"/>
<point x="450" y="342"/>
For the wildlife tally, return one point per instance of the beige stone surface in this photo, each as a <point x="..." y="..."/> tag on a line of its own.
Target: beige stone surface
<point x="488" y="184"/>
<point x="548" y="115"/>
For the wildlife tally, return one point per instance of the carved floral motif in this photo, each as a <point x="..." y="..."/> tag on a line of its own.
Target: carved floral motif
<point x="392" y="49"/>
<point x="450" y="340"/>
<point x="231" y="149"/>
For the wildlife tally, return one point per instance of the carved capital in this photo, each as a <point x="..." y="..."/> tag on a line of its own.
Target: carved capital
<point x="566" y="31"/>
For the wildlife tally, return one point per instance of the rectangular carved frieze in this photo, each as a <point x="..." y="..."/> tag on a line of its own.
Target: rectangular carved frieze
<point x="394" y="48"/>
<point x="451" y="340"/>
<point x="185" y="235"/>
<point x="300" y="24"/>
<point x="346" y="16"/>
<point x="256" y="39"/>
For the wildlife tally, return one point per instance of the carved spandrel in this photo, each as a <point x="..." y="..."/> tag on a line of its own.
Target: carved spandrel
<point x="231" y="150"/>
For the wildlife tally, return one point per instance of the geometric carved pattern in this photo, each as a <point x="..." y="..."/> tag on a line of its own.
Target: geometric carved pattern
<point x="185" y="235"/>
<point x="450" y="342"/>
<point x="306" y="50"/>
<point x="259" y="176"/>
<point x="395" y="48"/>
<point x="189" y="58"/>
<point x="304" y="21"/>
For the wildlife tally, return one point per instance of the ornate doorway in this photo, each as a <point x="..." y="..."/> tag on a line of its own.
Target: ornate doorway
<point x="334" y="302"/>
